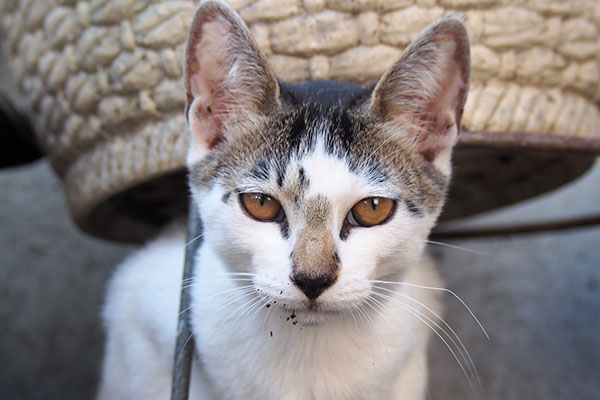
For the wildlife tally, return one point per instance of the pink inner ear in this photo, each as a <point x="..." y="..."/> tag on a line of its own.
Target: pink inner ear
<point x="206" y="128"/>
<point x="226" y="77"/>
<point x="451" y="82"/>
<point x="209" y="66"/>
<point x="444" y="109"/>
<point x="433" y="143"/>
<point x="206" y="73"/>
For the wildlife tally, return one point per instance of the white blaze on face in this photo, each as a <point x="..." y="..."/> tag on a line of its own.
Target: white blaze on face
<point x="366" y="254"/>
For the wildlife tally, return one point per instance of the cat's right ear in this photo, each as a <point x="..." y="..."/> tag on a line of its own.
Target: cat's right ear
<point x="423" y="94"/>
<point x="229" y="84"/>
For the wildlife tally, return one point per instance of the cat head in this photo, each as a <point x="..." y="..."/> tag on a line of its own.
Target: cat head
<point x="318" y="189"/>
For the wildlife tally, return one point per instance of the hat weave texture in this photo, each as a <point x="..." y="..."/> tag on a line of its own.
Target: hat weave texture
<point x="102" y="79"/>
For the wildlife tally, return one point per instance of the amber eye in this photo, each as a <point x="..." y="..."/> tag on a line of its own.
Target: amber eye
<point x="371" y="211"/>
<point x="261" y="206"/>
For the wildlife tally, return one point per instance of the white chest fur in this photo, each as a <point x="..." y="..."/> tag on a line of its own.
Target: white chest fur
<point x="250" y="351"/>
<point x="371" y="354"/>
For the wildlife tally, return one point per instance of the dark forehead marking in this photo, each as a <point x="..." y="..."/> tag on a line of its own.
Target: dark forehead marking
<point x="225" y="197"/>
<point x="291" y="131"/>
<point x="345" y="231"/>
<point x="260" y="170"/>
<point x="284" y="227"/>
<point x="345" y="131"/>
<point x="318" y="103"/>
<point x="280" y="177"/>
<point x="325" y="93"/>
<point x="302" y="177"/>
<point x="413" y="209"/>
<point x="297" y="129"/>
<point x="352" y="135"/>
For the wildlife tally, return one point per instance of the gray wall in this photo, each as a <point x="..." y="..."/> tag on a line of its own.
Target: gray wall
<point x="538" y="297"/>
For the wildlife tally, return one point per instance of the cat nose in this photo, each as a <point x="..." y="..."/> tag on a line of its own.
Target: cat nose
<point x="312" y="286"/>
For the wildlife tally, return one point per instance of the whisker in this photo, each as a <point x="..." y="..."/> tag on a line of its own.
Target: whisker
<point x="187" y="340"/>
<point x="191" y="281"/>
<point x="392" y="154"/>
<point x="266" y="317"/>
<point x="248" y="304"/>
<point x="451" y="246"/>
<point x="368" y="317"/>
<point x="278" y="165"/>
<point x="245" y="288"/>
<point x="440" y="289"/>
<point x="258" y="309"/>
<point x="459" y="346"/>
<point x="368" y="158"/>
<point x="361" y="314"/>
<point x="401" y="322"/>
<point x="194" y="282"/>
<point x="252" y="310"/>
<point x="421" y="317"/>
<point x="220" y="275"/>
<point x="228" y="273"/>
<point x="235" y="297"/>
<point x="354" y="317"/>
<point x="241" y="290"/>
<point x="460" y="364"/>
<point x="193" y="240"/>
<point x="372" y="322"/>
<point x="371" y="298"/>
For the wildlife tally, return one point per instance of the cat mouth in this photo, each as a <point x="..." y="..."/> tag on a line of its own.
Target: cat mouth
<point x="315" y="317"/>
<point x="310" y="314"/>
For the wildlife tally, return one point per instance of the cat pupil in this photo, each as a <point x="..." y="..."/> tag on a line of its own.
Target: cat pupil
<point x="261" y="199"/>
<point x="374" y="203"/>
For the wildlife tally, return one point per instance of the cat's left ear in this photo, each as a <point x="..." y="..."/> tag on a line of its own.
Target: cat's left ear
<point x="229" y="84"/>
<point x="423" y="94"/>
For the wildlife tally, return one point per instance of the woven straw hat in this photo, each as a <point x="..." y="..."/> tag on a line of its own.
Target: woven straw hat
<point x="102" y="83"/>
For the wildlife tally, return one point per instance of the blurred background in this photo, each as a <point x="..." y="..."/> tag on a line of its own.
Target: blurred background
<point x="538" y="296"/>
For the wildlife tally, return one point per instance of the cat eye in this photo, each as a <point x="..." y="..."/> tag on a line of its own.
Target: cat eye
<point x="261" y="206"/>
<point x="371" y="211"/>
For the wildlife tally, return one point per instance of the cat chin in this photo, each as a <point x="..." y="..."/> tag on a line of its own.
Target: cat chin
<point x="315" y="317"/>
<point x="313" y="314"/>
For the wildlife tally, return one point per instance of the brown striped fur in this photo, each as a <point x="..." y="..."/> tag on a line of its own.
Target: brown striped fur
<point x="249" y="128"/>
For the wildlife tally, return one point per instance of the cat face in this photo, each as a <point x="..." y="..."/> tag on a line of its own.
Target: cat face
<point x="321" y="188"/>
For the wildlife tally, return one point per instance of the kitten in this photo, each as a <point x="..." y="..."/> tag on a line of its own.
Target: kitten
<point x="316" y="202"/>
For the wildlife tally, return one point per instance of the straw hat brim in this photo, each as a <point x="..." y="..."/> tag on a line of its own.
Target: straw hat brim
<point x="101" y="82"/>
<point x="490" y="170"/>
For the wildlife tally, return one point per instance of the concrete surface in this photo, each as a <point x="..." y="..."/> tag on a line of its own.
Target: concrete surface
<point x="538" y="296"/>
